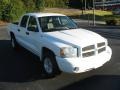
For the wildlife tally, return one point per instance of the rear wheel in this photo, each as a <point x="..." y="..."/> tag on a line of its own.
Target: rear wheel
<point x="14" y="43"/>
<point x="50" y="66"/>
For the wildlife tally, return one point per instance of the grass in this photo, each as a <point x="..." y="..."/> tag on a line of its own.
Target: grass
<point x="99" y="15"/>
<point x="68" y="12"/>
<point x="73" y="13"/>
<point x="99" y="12"/>
<point x="76" y="13"/>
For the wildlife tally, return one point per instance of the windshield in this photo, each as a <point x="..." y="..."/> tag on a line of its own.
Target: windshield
<point x="56" y="23"/>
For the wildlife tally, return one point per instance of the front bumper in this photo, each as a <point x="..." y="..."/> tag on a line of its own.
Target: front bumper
<point x="79" y="65"/>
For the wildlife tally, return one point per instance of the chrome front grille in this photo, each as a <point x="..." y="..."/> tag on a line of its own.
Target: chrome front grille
<point x="88" y="51"/>
<point x="101" y="49"/>
<point x="88" y="54"/>
<point x="101" y="44"/>
<point x="92" y="50"/>
<point x="88" y="48"/>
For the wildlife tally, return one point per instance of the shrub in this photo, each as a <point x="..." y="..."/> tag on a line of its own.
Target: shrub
<point x="39" y="5"/>
<point x="55" y="3"/>
<point x="113" y="21"/>
<point x="29" y="5"/>
<point x="12" y="10"/>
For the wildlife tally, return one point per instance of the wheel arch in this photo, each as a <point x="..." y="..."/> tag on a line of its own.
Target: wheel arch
<point x="46" y="50"/>
<point x="12" y="34"/>
<point x="56" y="67"/>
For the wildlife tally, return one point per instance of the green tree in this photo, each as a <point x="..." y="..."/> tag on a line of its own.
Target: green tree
<point x="3" y="4"/>
<point x="39" y="4"/>
<point x="11" y="9"/>
<point x="49" y="3"/>
<point x="55" y="3"/>
<point x="60" y="3"/>
<point x="17" y="9"/>
<point x="29" y="5"/>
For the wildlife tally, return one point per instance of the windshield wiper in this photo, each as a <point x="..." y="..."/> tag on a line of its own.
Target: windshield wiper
<point x="73" y="28"/>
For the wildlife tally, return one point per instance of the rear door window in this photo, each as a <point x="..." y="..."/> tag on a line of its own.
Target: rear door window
<point x="24" y="21"/>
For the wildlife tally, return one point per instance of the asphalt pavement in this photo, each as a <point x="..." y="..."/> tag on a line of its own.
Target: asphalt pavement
<point x="100" y="27"/>
<point x="21" y="70"/>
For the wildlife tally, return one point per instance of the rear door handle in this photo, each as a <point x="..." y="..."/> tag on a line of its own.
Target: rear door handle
<point x="18" y="30"/>
<point x="27" y="33"/>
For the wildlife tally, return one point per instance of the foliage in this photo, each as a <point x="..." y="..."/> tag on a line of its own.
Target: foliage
<point x="55" y="3"/>
<point x="10" y="9"/>
<point x="29" y="5"/>
<point x="39" y="4"/>
<point x="112" y="20"/>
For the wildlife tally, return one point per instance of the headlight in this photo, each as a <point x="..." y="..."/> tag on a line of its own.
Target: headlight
<point x="68" y="52"/>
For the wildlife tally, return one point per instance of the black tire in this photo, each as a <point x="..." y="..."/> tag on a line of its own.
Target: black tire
<point x="14" y="43"/>
<point x="50" y="66"/>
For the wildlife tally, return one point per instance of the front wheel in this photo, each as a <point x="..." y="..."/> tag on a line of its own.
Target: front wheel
<point x="49" y="65"/>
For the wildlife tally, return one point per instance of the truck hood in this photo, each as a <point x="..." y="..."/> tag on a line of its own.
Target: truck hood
<point x="76" y="37"/>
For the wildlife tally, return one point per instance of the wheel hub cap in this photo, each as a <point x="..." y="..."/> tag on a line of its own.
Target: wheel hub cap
<point x="13" y="44"/>
<point x="48" y="66"/>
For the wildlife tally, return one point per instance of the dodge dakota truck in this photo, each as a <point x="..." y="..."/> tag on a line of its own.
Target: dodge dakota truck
<point x="59" y="43"/>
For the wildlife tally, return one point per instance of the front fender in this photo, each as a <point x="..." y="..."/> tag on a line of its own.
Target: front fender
<point x="53" y="45"/>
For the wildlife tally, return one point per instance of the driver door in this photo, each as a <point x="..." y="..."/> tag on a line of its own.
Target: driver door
<point x="33" y="35"/>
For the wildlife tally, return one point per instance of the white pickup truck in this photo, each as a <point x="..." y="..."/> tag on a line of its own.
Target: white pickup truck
<point x="58" y="42"/>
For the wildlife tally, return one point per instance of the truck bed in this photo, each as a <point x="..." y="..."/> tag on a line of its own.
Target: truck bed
<point x="12" y="27"/>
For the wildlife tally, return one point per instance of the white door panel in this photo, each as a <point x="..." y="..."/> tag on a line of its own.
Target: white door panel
<point x="33" y="36"/>
<point x="34" y="43"/>
<point x="22" y="31"/>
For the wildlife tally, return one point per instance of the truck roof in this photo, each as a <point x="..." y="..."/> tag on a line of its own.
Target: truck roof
<point x="44" y="14"/>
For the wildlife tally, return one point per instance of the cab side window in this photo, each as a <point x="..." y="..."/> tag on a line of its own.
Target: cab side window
<point x="24" y="21"/>
<point x="32" y="24"/>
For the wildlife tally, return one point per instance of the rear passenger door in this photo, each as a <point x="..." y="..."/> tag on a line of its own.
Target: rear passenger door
<point x="22" y="31"/>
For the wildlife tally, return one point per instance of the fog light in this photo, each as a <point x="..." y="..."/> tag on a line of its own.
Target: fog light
<point x="76" y="69"/>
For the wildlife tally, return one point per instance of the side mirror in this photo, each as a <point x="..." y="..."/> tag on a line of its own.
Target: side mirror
<point x="33" y="29"/>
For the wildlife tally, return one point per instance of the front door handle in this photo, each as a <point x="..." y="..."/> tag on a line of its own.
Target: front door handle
<point x="27" y="33"/>
<point x="18" y="30"/>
